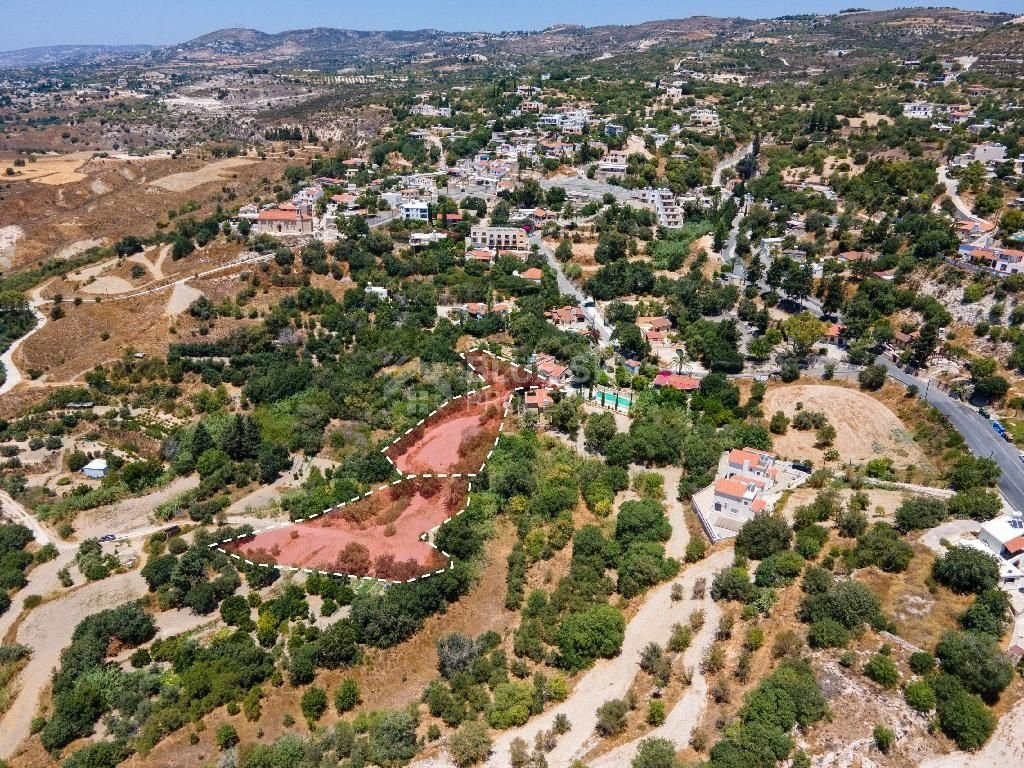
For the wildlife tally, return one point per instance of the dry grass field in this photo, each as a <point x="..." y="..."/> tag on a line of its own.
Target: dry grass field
<point x="866" y="429"/>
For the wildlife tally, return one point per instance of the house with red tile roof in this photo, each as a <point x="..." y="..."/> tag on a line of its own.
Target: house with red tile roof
<point x="283" y="220"/>
<point x="676" y="381"/>
<point x="537" y="400"/>
<point x="566" y="317"/>
<point x="648" y="323"/>
<point x="552" y="370"/>
<point x="750" y="462"/>
<point x="533" y="275"/>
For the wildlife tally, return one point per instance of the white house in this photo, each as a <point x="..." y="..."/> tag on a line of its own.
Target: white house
<point x="96" y="469"/>
<point x="415" y="210"/>
<point x="498" y="238"/>
<point x="1003" y="537"/>
<point x="918" y="110"/>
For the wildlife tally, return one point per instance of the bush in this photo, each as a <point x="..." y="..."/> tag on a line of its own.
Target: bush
<point x="779" y="423"/>
<point x="965" y="569"/>
<point x="962" y="716"/>
<point x="778" y="570"/>
<point x="596" y="632"/>
<point x="885" y="738"/>
<point x="103" y="754"/>
<point x="976" y="661"/>
<point x="827" y="633"/>
<point x="920" y="696"/>
<point x="226" y="736"/>
<point x="346" y="697"/>
<point x="696" y="548"/>
<point x="873" y="377"/>
<point x="655" y="753"/>
<point x="762" y="536"/>
<point x="470" y="744"/>
<point x="656" y="712"/>
<point x="850" y="603"/>
<point x="882" y="669"/>
<point x="920" y="513"/>
<point x="732" y="584"/>
<point x="882" y="545"/>
<point x="313" y="704"/>
<point x="921" y="662"/>
<point x="611" y="717"/>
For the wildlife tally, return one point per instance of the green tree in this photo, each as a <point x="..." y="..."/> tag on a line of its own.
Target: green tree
<point x="965" y="569"/>
<point x="313" y="704"/>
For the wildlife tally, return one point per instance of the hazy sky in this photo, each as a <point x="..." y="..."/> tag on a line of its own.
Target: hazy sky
<point x="56" y="22"/>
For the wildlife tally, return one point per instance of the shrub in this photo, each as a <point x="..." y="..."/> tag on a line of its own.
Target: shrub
<point x="596" y="632"/>
<point x="226" y="736"/>
<point x="346" y="697"/>
<point x="732" y="584"/>
<point x="762" y="536"/>
<point x="779" y="423"/>
<point x="920" y="696"/>
<point x="965" y="569"/>
<point x="827" y="633"/>
<point x="656" y="712"/>
<point x="962" y="716"/>
<point x="470" y="744"/>
<point x="696" y="548"/>
<point x="921" y="662"/>
<point x="882" y="669"/>
<point x="976" y="661"/>
<point x="873" y="377"/>
<point x="920" y="513"/>
<point x="885" y="738"/>
<point x="883" y="546"/>
<point x="611" y="717"/>
<point x="809" y="540"/>
<point x="655" y="753"/>
<point x="313" y="704"/>
<point x="778" y="570"/>
<point x="850" y="603"/>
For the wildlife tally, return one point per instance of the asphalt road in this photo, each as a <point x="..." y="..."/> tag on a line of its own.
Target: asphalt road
<point x="977" y="433"/>
<point x="569" y="288"/>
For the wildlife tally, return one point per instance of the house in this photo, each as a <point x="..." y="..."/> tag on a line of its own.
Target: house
<point x="972" y="229"/>
<point x="650" y="323"/>
<point x="655" y="337"/>
<point x="480" y="255"/>
<point x="834" y="334"/>
<point x="989" y="152"/>
<point x="1005" y="261"/>
<point x="751" y="462"/>
<point x="1003" y="537"/>
<point x="284" y="220"/>
<point x="736" y="497"/>
<point x="614" y="129"/>
<point x="676" y="381"/>
<point x="498" y="238"/>
<point x="421" y="239"/>
<point x="537" y="400"/>
<point x="613" y="162"/>
<point x="566" y="316"/>
<point x="918" y="110"/>
<point x="96" y="469"/>
<point x="415" y="210"/>
<point x="904" y="340"/>
<point x="532" y="275"/>
<point x="378" y="291"/>
<point x="552" y="370"/>
<point x="633" y="366"/>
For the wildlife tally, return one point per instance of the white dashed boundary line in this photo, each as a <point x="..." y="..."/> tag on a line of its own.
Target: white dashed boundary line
<point x="426" y="536"/>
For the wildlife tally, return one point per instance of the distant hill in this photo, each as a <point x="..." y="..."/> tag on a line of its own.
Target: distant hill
<point x="68" y="54"/>
<point x="329" y="49"/>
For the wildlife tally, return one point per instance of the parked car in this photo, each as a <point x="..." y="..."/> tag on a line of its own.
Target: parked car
<point x="107" y="537"/>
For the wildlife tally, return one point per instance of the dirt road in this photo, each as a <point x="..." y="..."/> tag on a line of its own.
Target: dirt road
<point x="47" y="630"/>
<point x="610" y="679"/>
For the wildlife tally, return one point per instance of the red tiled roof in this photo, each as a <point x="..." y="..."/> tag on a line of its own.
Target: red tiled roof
<point x="280" y="214"/>
<point x="539" y="398"/>
<point x="1013" y="546"/>
<point x="533" y="273"/>
<point x="676" y="381"/>
<point x="728" y="487"/>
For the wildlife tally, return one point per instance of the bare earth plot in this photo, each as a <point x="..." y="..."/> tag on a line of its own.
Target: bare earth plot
<point x="385" y="534"/>
<point x="186" y="180"/>
<point x="865" y="428"/>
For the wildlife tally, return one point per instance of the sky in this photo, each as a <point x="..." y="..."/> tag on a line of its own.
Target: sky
<point x="159" y="22"/>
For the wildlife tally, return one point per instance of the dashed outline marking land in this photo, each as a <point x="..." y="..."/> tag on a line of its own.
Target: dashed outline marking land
<point x="426" y="536"/>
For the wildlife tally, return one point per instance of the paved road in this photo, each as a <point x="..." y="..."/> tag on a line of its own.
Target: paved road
<point x="569" y="288"/>
<point x="977" y="433"/>
<point x="952" y="187"/>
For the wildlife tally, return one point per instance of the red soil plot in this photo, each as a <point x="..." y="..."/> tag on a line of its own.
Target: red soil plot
<point x="376" y="536"/>
<point x="500" y="373"/>
<point x="458" y="436"/>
